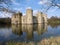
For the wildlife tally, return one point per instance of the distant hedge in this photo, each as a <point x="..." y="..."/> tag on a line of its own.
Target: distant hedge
<point x="5" y="21"/>
<point x="54" y="20"/>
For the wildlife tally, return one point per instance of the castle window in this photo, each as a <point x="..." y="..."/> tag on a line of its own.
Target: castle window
<point x="23" y="20"/>
<point x="16" y="22"/>
<point x="15" y="16"/>
<point x="29" y="18"/>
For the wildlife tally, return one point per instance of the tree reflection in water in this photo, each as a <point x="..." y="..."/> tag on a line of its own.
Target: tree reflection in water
<point x="54" y="25"/>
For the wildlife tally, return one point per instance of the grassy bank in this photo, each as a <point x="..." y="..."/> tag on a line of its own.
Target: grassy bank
<point x="49" y="41"/>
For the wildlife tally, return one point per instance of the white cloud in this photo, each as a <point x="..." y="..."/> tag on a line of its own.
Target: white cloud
<point x="40" y="2"/>
<point x="18" y="9"/>
<point x="28" y="8"/>
<point x="53" y="9"/>
<point x="24" y="14"/>
<point x="5" y="14"/>
<point x="58" y="4"/>
<point x="47" y="2"/>
<point x="35" y="12"/>
<point x="14" y="2"/>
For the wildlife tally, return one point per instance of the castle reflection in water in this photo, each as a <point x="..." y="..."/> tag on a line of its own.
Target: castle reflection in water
<point x="29" y="29"/>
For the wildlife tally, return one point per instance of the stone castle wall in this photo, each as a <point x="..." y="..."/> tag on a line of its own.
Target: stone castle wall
<point x="29" y="18"/>
<point x="16" y="18"/>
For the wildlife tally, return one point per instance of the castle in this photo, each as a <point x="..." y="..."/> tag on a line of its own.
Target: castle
<point x="18" y="18"/>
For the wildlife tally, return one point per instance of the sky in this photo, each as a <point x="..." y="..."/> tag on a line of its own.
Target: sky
<point x="35" y="5"/>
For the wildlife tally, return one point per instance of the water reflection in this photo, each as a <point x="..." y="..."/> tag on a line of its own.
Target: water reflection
<point x="42" y="28"/>
<point x="17" y="29"/>
<point x="54" y="25"/>
<point x="30" y="30"/>
<point x="28" y="33"/>
<point x="4" y="26"/>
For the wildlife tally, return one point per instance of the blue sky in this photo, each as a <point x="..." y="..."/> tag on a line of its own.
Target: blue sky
<point x="22" y="5"/>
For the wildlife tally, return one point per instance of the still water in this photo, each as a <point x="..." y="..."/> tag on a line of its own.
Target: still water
<point x="27" y="33"/>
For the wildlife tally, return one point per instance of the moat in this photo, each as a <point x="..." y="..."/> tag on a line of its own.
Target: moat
<point x="28" y="33"/>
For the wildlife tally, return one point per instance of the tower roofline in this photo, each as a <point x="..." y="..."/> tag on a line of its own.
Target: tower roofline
<point x="29" y="9"/>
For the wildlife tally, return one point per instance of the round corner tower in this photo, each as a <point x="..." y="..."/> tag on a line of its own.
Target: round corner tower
<point x="29" y="14"/>
<point x="45" y="18"/>
<point x="39" y="17"/>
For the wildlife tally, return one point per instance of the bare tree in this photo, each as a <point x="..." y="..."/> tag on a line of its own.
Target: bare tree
<point x="5" y="6"/>
<point x="50" y="3"/>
